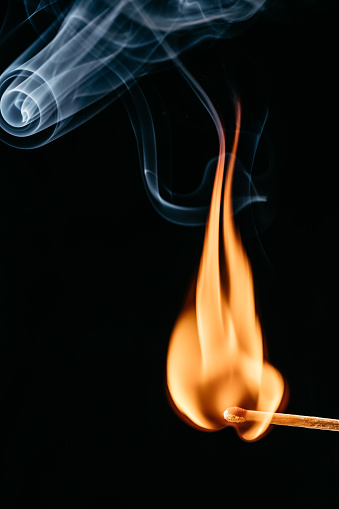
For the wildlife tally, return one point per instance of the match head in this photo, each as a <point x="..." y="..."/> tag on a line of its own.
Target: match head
<point x="235" y="414"/>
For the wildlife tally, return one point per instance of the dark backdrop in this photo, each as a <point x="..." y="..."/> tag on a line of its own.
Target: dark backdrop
<point x="92" y="281"/>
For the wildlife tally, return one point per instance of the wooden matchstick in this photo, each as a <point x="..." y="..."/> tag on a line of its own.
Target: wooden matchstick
<point x="238" y="415"/>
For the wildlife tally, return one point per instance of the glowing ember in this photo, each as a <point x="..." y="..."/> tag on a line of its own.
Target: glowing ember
<point x="215" y="355"/>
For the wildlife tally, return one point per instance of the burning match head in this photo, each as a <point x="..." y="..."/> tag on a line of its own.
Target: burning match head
<point x="235" y="414"/>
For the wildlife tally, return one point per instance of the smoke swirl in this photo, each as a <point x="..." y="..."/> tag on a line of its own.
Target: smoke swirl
<point x="93" y="52"/>
<point x="101" y="47"/>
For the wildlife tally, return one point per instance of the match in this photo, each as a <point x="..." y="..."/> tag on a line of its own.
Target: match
<point x="238" y="415"/>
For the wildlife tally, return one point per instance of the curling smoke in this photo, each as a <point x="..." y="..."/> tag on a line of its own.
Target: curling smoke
<point x="98" y="51"/>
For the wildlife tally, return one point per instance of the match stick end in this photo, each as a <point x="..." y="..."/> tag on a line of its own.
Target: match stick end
<point x="235" y="414"/>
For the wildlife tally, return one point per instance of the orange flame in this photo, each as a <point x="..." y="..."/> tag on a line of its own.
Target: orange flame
<point x="215" y="357"/>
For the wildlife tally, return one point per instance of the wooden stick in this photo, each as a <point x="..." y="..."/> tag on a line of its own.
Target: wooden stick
<point x="238" y="415"/>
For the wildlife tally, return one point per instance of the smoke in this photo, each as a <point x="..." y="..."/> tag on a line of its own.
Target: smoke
<point x="93" y="52"/>
<point x="191" y="210"/>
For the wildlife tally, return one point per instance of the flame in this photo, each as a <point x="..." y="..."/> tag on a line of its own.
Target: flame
<point x="215" y="357"/>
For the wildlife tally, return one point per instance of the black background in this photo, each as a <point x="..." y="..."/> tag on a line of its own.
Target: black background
<point x="92" y="281"/>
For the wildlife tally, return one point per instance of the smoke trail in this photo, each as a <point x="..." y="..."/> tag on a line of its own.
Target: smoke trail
<point x="101" y="47"/>
<point x="94" y="52"/>
<point x="191" y="211"/>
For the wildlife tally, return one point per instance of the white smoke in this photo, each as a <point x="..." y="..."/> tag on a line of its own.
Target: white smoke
<point x="96" y="50"/>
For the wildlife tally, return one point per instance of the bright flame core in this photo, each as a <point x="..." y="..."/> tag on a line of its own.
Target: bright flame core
<point x="215" y="357"/>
